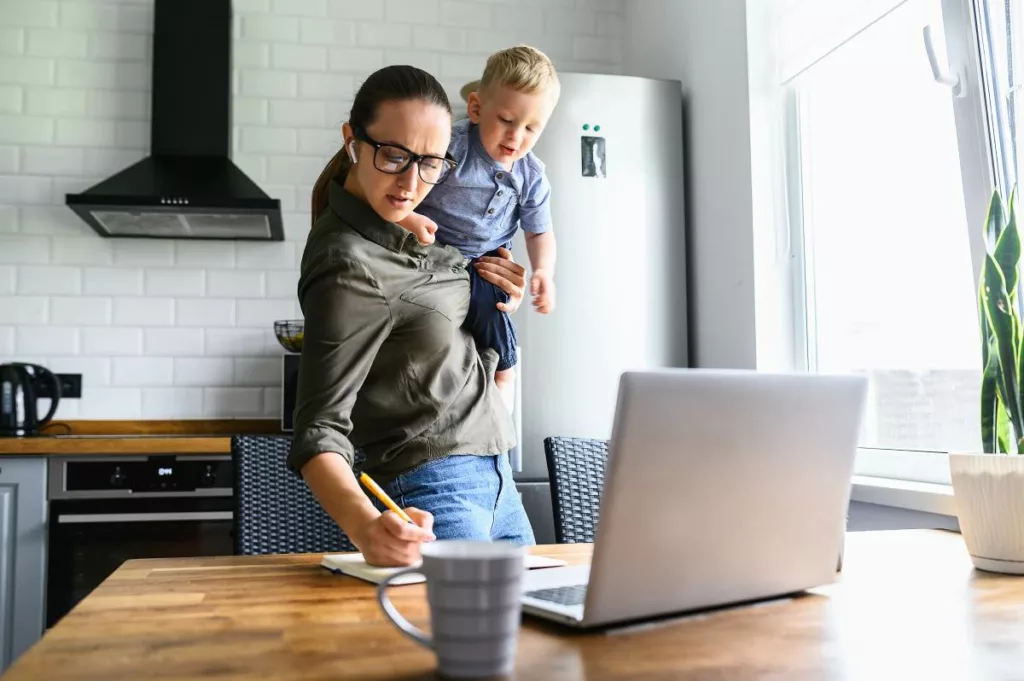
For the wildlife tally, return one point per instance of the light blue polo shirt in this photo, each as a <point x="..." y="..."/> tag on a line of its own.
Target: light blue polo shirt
<point x="480" y="205"/>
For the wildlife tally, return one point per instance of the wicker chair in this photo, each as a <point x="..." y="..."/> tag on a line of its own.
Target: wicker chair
<point x="576" y="467"/>
<point x="274" y="510"/>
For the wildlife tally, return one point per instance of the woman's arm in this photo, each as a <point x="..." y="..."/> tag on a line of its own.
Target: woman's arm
<point x="347" y="318"/>
<point x="384" y="539"/>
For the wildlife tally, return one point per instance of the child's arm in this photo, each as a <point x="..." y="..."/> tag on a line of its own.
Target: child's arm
<point x="541" y="248"/>
<point x="535" y="220"/>
<point x="420" y="225"/>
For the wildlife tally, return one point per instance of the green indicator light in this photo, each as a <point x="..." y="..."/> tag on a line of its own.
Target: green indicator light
<point x="586" y="126"/>
<point x="597" y="128"/>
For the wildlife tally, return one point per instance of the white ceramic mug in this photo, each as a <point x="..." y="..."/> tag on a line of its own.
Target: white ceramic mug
<point x="474" y="590"/>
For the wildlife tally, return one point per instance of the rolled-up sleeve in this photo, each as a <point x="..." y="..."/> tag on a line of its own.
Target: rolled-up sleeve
<point x="347" y="318"/>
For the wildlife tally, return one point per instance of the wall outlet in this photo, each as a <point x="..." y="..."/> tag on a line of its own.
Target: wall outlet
<point x="70" y="387"/>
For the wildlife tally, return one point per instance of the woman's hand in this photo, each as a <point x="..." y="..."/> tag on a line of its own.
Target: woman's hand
<point x="389" y="541"/>
<point x="383" y="538"/>
<point x="506" y="274"/>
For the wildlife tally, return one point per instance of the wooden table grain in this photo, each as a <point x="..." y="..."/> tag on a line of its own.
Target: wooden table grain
<point x="908" y="606"/>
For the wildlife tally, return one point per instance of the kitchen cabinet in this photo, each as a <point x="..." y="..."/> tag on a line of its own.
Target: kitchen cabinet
<point x="22" y="555"/>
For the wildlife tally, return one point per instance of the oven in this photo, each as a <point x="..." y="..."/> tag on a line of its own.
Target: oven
<point x="106" y="510"/>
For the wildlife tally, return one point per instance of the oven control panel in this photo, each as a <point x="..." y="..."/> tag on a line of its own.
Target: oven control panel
<point x="152" y="474"/>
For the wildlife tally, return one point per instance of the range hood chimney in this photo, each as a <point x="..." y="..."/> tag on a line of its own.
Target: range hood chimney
<point x="187" y="188"/>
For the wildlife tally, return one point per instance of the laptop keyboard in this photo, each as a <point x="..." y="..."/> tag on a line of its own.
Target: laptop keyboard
<point x="563" y="595"/>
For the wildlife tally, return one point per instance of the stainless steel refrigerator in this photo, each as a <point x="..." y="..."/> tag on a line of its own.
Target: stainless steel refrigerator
<point x="614" y="156"/>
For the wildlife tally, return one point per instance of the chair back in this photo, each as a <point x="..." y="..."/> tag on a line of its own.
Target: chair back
<point x="275" y="512"/>
<point x="576" y="467"/>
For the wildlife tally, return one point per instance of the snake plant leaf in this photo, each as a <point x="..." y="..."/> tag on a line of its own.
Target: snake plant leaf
<point x="1001" y="400"/>
<point x="994" y="221"/>
<point x="993" y="438"/>
<point x="995" y="435"/>
<point x="986" y="330"/>
<point x="1003" y="432"/>
<point x="991" y="406"/>
<point x="1006" y="334"/>
<point x="1007" y="252"/>
<point x="989" y="414"/>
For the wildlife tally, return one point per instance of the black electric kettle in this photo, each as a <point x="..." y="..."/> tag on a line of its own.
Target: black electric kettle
<point x="20" y="385"/>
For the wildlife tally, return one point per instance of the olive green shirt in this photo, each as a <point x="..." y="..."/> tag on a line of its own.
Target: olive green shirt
<point x="386" y="368"/>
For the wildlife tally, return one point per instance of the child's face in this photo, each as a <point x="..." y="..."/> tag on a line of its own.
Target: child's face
<point x="510" y="121"/>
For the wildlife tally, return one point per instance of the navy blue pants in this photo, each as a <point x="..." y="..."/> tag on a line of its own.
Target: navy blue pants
<point x="491" y="328"/>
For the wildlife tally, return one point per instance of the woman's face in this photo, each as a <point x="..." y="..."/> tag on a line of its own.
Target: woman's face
<point x="415" y="124"/>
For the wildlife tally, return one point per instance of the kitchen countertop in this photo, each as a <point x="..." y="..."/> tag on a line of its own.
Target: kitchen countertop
<point x="137" y="437"/>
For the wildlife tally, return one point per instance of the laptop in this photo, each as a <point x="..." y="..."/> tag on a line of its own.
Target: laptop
<point x="722" y="487"/>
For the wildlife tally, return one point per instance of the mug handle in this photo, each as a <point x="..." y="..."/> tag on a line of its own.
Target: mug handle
<point x="396" y="617"/>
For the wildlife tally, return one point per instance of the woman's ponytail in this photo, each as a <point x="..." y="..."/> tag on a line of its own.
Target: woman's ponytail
<point x="336" y="169"/>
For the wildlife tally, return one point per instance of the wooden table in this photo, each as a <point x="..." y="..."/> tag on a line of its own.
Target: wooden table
<point x="909" y="606"/>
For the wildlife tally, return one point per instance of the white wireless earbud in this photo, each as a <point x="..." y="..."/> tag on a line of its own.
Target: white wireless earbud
<point x="352" y="151"/>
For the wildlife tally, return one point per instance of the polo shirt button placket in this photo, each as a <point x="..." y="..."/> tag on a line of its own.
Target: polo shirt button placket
<point x="500" y="175"/>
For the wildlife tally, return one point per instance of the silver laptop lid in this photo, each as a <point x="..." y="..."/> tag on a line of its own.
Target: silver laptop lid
<point x="722" y="487"/>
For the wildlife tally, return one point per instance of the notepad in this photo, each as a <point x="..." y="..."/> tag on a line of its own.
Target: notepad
<point x="353" y="565"/>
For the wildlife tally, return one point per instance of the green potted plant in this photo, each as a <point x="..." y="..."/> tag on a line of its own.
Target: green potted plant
<point x="989" y="488"/>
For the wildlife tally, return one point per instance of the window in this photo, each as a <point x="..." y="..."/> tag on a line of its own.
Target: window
<point x="999" y="26"/>
<point x="890" y="174"/>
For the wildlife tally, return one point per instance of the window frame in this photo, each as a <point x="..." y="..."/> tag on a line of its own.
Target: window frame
<point x="978" y="166"/>
<point x="973" y="122"/>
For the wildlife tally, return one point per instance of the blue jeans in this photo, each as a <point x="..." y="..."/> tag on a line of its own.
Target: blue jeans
<point x="470" y="497"/>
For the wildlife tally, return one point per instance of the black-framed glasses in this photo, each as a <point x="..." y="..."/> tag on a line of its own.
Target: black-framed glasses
<point x="395" y="159"/>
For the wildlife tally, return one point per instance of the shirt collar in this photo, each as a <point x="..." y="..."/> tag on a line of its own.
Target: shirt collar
<point x="364" y="219"/>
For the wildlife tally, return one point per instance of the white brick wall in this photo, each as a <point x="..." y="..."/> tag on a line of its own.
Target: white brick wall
<point x="165" y="329"/>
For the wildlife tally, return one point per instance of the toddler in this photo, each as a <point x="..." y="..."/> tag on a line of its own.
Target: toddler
<point x="498" y="186"/>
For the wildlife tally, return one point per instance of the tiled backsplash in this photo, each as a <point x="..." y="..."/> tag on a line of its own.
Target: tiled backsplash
<point x="166" y="329"/>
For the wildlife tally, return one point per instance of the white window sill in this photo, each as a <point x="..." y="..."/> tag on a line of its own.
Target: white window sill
<point x="927" y="497"/>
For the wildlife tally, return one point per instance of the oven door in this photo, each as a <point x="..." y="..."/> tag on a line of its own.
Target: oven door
<point x="90" y="538"/>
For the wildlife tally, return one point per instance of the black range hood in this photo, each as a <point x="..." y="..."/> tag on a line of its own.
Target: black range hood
<point x="188" y="187"/>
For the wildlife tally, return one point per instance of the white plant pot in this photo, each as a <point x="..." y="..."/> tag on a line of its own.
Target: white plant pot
<point x="989" y="494"/>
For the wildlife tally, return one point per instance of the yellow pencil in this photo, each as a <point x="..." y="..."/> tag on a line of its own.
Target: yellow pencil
<point x="383" y="496"/>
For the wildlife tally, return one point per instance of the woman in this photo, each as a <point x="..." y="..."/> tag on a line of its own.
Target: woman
<point x="386" y="368"/>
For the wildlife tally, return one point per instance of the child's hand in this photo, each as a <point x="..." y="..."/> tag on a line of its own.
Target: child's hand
<point x="421" y="226"/>
<point x="542" y="288"/>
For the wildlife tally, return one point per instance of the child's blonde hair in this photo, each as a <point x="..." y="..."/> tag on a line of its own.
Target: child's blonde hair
<point x="522" y="68"/>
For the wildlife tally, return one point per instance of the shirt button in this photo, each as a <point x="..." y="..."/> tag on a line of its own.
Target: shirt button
<point x="455" y="270"/>
<point x="499" y="192"/>
<point x="500" y="175"/>
<point x="490" y="211"/>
